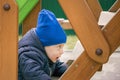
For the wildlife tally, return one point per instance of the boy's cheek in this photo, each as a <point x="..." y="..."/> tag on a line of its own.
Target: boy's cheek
<point x="53" y="59"/>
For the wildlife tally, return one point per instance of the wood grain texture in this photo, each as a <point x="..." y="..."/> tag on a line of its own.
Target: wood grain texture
<point x="8" y="40"/>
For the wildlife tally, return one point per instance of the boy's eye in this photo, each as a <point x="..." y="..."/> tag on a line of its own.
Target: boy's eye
<point x="59" y="47"/>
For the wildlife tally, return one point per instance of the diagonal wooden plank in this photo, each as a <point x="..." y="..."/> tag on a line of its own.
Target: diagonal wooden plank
<point x="115" y="6"/>
<point x="31" y="19"/>
<point x="86" y="28"/>
<point x="112" y="32"/>
<point x="81" y="69"/>
<point x="95" y="7"/>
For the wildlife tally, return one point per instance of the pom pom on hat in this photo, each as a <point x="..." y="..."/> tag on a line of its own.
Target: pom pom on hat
<point x="48" y="29"/>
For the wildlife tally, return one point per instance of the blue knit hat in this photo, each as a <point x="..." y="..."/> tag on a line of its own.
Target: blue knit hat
<point x="49" y="30"/>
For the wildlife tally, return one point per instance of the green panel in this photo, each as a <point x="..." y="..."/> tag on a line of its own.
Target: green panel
<point x="54" y="6"/>
<point x="106" y="4"/>
<point x="25" y="6"/>
<point x="21" y="3"/>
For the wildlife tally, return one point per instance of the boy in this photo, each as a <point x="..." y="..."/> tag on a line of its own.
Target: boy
<point x="40" y="48"/>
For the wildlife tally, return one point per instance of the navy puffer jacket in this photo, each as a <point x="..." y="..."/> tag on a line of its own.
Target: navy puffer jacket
<point x="33" y="61"/>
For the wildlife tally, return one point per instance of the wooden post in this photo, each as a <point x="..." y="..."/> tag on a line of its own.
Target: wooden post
<point x="31" y="19"/>
<point x="8" y="40"/>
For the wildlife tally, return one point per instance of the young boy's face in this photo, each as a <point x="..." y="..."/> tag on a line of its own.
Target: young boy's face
<point x="54" y="52"/>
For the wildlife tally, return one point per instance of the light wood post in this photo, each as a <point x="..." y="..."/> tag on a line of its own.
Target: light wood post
<point x="8" y="40"/>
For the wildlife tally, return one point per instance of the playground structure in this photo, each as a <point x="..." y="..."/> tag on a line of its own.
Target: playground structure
<point x="85" y="25"/>
<point x="83" y="17"/>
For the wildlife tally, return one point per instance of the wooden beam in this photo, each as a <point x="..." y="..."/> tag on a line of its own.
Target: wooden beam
<point x="8" y="40"/>
<point x="112" y="32"/>
<point x="115" y="6"/>
<point x="95" y="7"/>
<point x="31" y="20"/>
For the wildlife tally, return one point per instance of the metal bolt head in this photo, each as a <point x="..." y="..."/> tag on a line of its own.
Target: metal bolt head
<point x="6" y="7"/>
<point x="99" y="52"/>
